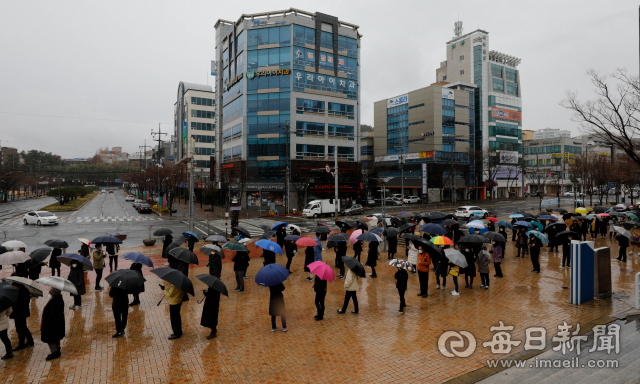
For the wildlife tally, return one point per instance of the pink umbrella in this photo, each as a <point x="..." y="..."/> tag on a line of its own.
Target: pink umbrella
<point x="354" y="236"/>
<point x="306" y="242"/>
<point x="322" y="270"/>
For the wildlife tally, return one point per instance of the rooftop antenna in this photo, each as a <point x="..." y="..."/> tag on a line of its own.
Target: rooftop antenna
<point x="457" y="29"/>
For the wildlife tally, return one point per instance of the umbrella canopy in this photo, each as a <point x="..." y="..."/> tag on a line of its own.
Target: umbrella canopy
<point x="32" y="286"/>
<point x="269" y="246"/>
<point x="537" y="225"/>
<point x="436" y="215"/>
<point x="408" y="215"/>
<point x="363" y="219"/>
<point x="186" y="235"/>
<point x="582" y="210"/>
<point x="322" y="270"/>
<point x="106" y="240"/>
<point x="623" y="232"/>
<point x="264" y="227"/>
<point x="449" y="222"/>
<point x="208" y="249"/>
<point x="377" y="230"/>
<point x="175" y="278"/>
<point x="343" y="224"/>
<point x="599" y="209"/>
<point x="293" y="238"/>
<point x="528" y="214"/>
<point x="268" y="234"/>
<point x="394" y="221"/>
<point x="354" y="265"/>
<point x="292" y="227"/>
<point x="433" y="229"/>
<point x="441" y="240"/>
<point x="567" y="233"/>
<point x="14" y="244"/>
<point x="477" y="224"/>
<point x="505" y="223"/>
<point x="456" y="257"/>
<point x="568" y="222"/>
<point x="391" y="232"/>
<point x="138" y="258"/>
<point x="245" y="240"/>
<point x="185" y="255"/>
<point x="629" y="214"/>
<point x="340" y="237"/>
<point x="58" y="282"/>
<point x="119" y="235"/>
<point x="125" y="279"/>
<point x="603" y="214"/>
<point x="162" y="232"/>
<point x="522" y="224"/>
<point x="559" y="226"/>
<point x="630" y="224"/>
<point x="213" y="283"/>
<point x="68" y="257"/>
<point x="174" y="245"/>
<point x="40" y="255"/>
<point x="354" y="236"/>
<point x="321" y="229"/>
<point x="400" y="263"/>
<point x="271" y="274"/>
<point x="242" y="230"/>
<point x="280" y="224"/>
<point x="306" y="242"/>
<point x="13" y="257"/>
<point x="429" y="247"/>
<point x="617" y="214"/>
<point x="516" y="216"/>
<point x="361" y="225"/>
<point x="56" y="243"/>
<point x="539" y="235"/>
<point x="368" y="236"/>
<point x="8" y="296"/>
<point x="561" y="210"/>
<point x="410" y="236"/>
<point x="495" y="236"/>
<point x="216" y="238"/>
<point x="492" y="219"/>
<point x="473" y="239"/>
<point x="406" y="227"/>
<point x="547" y="217"/>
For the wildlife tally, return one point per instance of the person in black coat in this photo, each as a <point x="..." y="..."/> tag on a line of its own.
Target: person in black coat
<point x="566" y="251"/>
<point x="392" y="246"/>
<point x="167" y="240"/>
<point x="191" y="241"/>
<point x="120" y="307"/>
<point x="309" y="257"/>
<point x="240" y="261"/>
<point x="54" y="264"/>
<point x="341" y="250"/>
<point x="289" y="251"/>
<point x="277" y="307"/>
<point x="357" y="249"/>
<point x="84" y="250"/>
<point x="491" y="227"/>
<point x="269" y="257"/>
<point x="503" y="231"/>
<point x="281" y="233"/>
<point x="136" y="292"/>
<point x="534" y="245"/>
<point x="575" y="226"/>
<point x="34" y="270"/>
<point x="76" y="276"/>
<point x="215" y="264"/>
<point x="584" y="230"/>
<point x="513" y="231"/>
<point x="372" y="257"/>
<point x="320" y="288"/>
<point x="470" y="269"/>
<point x="401" y="284"/>
<point x="19" y="315"/>
<point x="21" y="270"/>
<point x="183" y="267"/>
<point x="52" y="325"/>
<point x="623" y="242"/>
<point x="112" y="251"/>
<point x="210" y="311"/>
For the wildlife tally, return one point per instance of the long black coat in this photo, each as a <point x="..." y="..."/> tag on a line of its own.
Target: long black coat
<point x="269" y="257"/>
<point x="34" y="272"/>
<point x="276" y="300"/>
<point x="53" y="260"/>
<point x="210" y="308"/>
<point x="52" y="326"/>
<point x="138" y="268"/>
<point x="240" y="261"/>
<point x="120" y="298"/>
<point x="372" y="256"/>
<point x="401" y="279"/>
<point x="470" y="256"/>
<point x="21" y="270"/>
<point x="215" y="265"/>
<point x="392" y="244"/>
<point x="76" y="276"/>
<point x="309" y="256"/>
<point x="21" y="306"/>
<point x="167" y="240"/>
<point x="182" y="267"/>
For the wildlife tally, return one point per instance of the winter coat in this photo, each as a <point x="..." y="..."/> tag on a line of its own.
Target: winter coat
<point x="623" y="242"/>
<point x="424" y="260"/>
<point x="372" y="256"/>
<point x="351" y="281"/>
<point x="341" y="249"/>
<point x="215" y="264"/>
<point x="111" y="250"/>
<point x="84" y="250"/>
<point x="521" y="239"/>
<point x="280" y="235"/>
<point x="269" y="257"/>
<point x="392" y="245"/>
<point x="174" y="294"/>
<point x="210" y="309"/>
<point x="317" y="249"/>
<point x="289" y="247"/>
<point x="182" y="266"/>
<point x="575" y="227"/>
<point x="413" y="255"/>
<point x="497" y="253"/>
<point x="34" y="271"/>
<point x="191" y="242"/>
<point x="491" y="227"/>
<point x="120" y="298"/>
<point x="138" y="268"/>
<point x="167" y="240"/>
<point x="358" y="245"/>
<point x="21" y="270"/>
<point x="98" y="259"/>
<point x="470" y="269"/>
<point x="440" y="265"/>
<point x="319" y="285"/>
<point x="21" y="306"/>
<point x="483" y="262"/>
<point x="401" y="279"/>
<point x="76" y="276"/>
<point x="309" y="256"/>
<point x="4" y="319"/>
<point x="52" y="325"/>
<point x="276" y="300"/>
<point x="53" y="260"/>
<point x="503" y="232"/>
<point x="240" y="261"/>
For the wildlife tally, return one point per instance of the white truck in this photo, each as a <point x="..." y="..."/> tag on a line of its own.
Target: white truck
<point x="317" y="208"/>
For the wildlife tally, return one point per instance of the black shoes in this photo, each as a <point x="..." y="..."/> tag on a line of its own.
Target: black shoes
<point x="318" y="318"/>
<point x="8" y="355"/>
<point x="354" y="312"/>
<point x="53" y="356"/>
<point x="118" y="335"/>
<point x="174" y="336"/>
<point x="136" y="302"/>
<point x="23" y="346"/>
<point x="340" y="311"/>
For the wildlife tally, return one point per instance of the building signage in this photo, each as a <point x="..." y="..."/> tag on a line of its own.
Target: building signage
<point x="400" y="100"/>
<point x="448" y="94"/>
<point x="275" y="72"/>
<point x="265" y="187"/>
<point x="411" y="156"/>
<point x="233" y="81"/>
<point x="387" y="158"/>
<point x="426" y="155"/>
<point x="424" y="179"/>
<point x="184" y="132"/>
<point x="259" y="23"/>
<point x="556" y="155"/>
<point x="506" y="114"/>
<point x="508" y="157"/>
<point x="228" y="166"/>
<point x="330" y="186"/>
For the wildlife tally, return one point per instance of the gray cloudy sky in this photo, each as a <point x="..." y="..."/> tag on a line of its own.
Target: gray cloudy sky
<point x="122" y="60"/>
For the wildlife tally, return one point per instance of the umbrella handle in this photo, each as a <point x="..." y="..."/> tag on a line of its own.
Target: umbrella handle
<point x="161" y="299"/>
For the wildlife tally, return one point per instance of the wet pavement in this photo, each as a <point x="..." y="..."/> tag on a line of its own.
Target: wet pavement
<point x="378" y="345"/>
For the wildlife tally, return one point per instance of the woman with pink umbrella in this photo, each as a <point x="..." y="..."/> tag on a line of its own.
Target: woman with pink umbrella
<point x="323" y="274"/>
<point x="309" y="253"/>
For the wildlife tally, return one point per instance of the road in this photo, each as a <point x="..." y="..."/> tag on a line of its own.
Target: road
<point x="13" y="209"/>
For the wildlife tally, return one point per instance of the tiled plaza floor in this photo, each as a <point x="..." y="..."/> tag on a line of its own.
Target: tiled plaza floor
<point x="377" y="345"/>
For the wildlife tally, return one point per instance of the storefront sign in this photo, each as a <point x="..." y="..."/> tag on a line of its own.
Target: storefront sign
<point x="259" y="23"/>
<point x="424" y="179"/>
<point x="556" y="155"/>
<point x="329" y="187"/>
<point x="426" y="155"/>
<point x="387" y="158"/>
<point x="265" y="187"/>
<point x="411" y="156"/>
<point x="274" y="72"/>
<point x="506" y="114"/>
<point x="233" y="81"/>
<point x="400" y="100"/>
<point x="228" y="166"/>
<point x="508" y="157"/>
<point x="448" y="94"/>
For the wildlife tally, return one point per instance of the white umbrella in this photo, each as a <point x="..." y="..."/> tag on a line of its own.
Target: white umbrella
<point x="373" y="222"/>
<point x="13" y="257"/>
<point x="621" y="206"/>
<point x="58" y="283"/>
<point x="246" y="240"/>
<point x="456" y="257"/>
<point x="475" y="224"/>
<point x="210" y="248"/>
<point x="14" y="244"/>
<point x="623" y="232"/>
<point x="32" y="286"/>
<point x="292" y="227"/>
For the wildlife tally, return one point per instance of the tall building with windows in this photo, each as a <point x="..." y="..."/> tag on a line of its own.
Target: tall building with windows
<point x="550" y="133"/>
<point x="287" y="94"/>
<point x="498" y="99"/>
<point x="195" y="126"/>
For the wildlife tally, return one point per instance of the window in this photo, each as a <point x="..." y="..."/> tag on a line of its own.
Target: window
<point x="303" y="35"/>
<point x="462" y="72"/>
<point x="282" y="83"/>
<point x="308" y="80"/>
<point x="444" y="77"/>
<point x="234" y="153"/>
<point x="308" y="150"/>
<point x="266" y="147"/>
<point x="205" y="151"/>
<point x="498" y="85"/>
<point x="202" y="126"/>
<point x="511" y="74"/>
<point x="341" y="110"/>
<point x="326" y="40"/>
<point x="203" y="101"/>
<point x="203" y="114"/>
<point x="343" y="152"/>
<point x="496" y="70"/>
<point x="269" y="57"/>
<point x="366" y="150"/>
<point x="326" y="61"/>
<point x="257" y="125"/>
<point x="232" y="110"/>
<point x="240" y="41"/>
<point x="307" y="105"/>
<point x="416" y="123"/>
<point x="505" y="130"/>
<point x="267" y="102"/>
<point x="204" y="139"/>
<point x="461" y="57"/>
<point x="304" y="57"/>
<point x="417" y="105"/>
<point x="337" y="130"/>
<point x="308" y="128"/>
<point x="512" y="88"/>
<point x="232" y="133"/>
<point x="202" y="163"/>
<point x="348" y="46"/>
<point x="271" y="35"/>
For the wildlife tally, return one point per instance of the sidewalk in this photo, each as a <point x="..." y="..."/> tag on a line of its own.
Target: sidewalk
<point x="217" y="213"/>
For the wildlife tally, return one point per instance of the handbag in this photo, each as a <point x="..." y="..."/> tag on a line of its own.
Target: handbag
<point x="454" y="271"/>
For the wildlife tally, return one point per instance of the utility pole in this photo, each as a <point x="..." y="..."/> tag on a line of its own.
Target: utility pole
<point x="335" y="175"/>
<point x="159" y="133"/>
<point x="145" y="146"/>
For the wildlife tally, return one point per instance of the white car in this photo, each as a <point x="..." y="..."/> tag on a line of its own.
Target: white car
<point x="468" y="210"/>
<point x="103" y="191"/>
<point x="411" y="200"/>
<point x="129" y="198"/>
<point x="572" y="194"/>
<point x="40" y="218"/>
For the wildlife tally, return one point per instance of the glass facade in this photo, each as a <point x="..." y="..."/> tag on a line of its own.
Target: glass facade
<point x="398" y="129"/>
<point x="307" y="80"/>
<point x="477" y="80"/>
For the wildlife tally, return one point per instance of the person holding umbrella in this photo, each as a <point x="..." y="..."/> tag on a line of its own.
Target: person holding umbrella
<point x="120" y="307"/>
<point x="175" y="295"/>
<point x="521" y="242"/>
<point x="84" y="250"/>
<point x="20" y="313"/>
<point x="277" y="307"/>
<point x="191" y="241"/>
<point x="372" y="258"/>
<point x="4" y="320"/>
<point x="584" y="229"/>
<point x="535" y="244"/>
<point x="351" y="286"/>
<point x="470" y="270"/>
<point x="502" y="230"/>
<point x="623" y="242"/>
<point x="215" y="264"/>
<point x="424" y="261"/>
<point x="483" y="261"/>
<point x="168" y="239"/>
<point x="497" y="252"/>
<point x="54" y="264"/>
<point x="136" y="291"/>
<point x="98" y="265"/>
<point x="52" y="325"/>
<point x="211" y="307"/>
<point x="289" y="248"/>
<point x="566" y="251"/>
<point x="76" y="276"/>
<point x="317" y="251"/>
<point x="240" y="265"/>
<point x="309" y="257"/>
<point x="281" y="233"/>
<point x="341" y="250"/>
<point x="357" y="248"/>
<point x="412" y="257"/>
<point x="112" y="250"/>
<point x="392" y="247"/>
<point x="401" y="277"/>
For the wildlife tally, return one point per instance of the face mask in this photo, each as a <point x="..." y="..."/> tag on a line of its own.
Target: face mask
<point x="49" y="296"/>
<point x="493" y="243"/>
<point x="74" y="264"/>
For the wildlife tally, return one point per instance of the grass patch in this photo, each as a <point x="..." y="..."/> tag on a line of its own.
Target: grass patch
<point x="70" y="205"/>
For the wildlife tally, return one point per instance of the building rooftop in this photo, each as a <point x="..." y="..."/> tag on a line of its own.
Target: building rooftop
<point x="196" y="87"/>
<point x="466" y="35"/>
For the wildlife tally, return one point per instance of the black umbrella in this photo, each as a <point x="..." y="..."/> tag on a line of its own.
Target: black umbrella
<point x="395" y="221"/>
<point x="162" y="232"/>
<point x="570" y="215"/>
<point x="561" y="210"/>
<point x="68" y="257"/>
<point x="495" y="236"/>
<point x="216" y="238"/>
<point x="242" y="230"/>
<point x="213" y="283"/>
<point x="185" y="255"/>
<point x="432" y="249"/>
<point x="408" y="215"/>
<point x="56" y="243"/>
<point x="449" y="222"/>
<point x="265" y="227"/>
<point x="527" y="214"/>
<point x="343" y="224"/>
<point x="321" y="229"/>
<point x="106" y="240"/>
<point x="436" y="215"/>
<point x="354" y="265"/>
<point x="600" y="209"/>
<point x="361" y="225"/>
<point x="268" y="234"/>
<point x="406" y="227"/>
<point x="391" y="232"/>
<point x="173" y="245"/>
<point x="3" y="250"/>
<point x="119" y="235"/>
<point x="473" y="239"/>
<point x="410" y="236"/>
<point x="339" y="237"/>
<point x="9" y="295"/>
<point x="125" y="279"/>
<point x="40" y="255"/>
<point x="568" y="233"/>
<point x="630" y="224"/>
<point x="582" y="218"/>
<point x="176" y="278"/>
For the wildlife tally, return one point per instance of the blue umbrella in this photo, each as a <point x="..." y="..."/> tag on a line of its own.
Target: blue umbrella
<point x="433" y="229"/>
<point x="368" y="236"/>
<point x="536" y="224"/>
<point x="106" y="240"/>
<point x="540" y="236"/>
<point x="505" y="223"/>
<point x="189" y="233"/>
<point x="138" y="258"/>
<point x="292" y="237"/>
<point x="67" y="257"/>
<point x="547" y="217"/>
<point x="269" y="246"/>
<point x="271" y="274"/>
<point x="516" y="216"/>
<point x="279" y="224"/>
<point x="377" y="230"/>
<point x="523" y="224"/>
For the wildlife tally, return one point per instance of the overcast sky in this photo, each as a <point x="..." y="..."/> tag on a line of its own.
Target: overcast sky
<point x="122" y="60"/>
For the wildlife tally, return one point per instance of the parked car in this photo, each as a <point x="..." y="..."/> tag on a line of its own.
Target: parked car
<point x="532" y="194"/>
<point x="143" y="207"/>
<point x="572" y="194"/>
<point x="130" y="198"/>
<point x="40" y="218"/>
<point x="393" y="202"/>
<point x="355" y="209"/>
<point x="371" y="201"/>
<point x="110" y="191"/>
<point x="103" y="191"/>
<point x="411" y="199"/>
<point x="468" y="210"/>
<point x="136" y="202"/>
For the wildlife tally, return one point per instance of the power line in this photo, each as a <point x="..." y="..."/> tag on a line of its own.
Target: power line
<point x="82" y="118"/>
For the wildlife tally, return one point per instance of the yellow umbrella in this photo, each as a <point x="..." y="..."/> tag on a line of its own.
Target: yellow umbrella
<point x="583" y="210"/>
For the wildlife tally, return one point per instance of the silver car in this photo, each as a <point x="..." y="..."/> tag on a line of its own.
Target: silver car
<point x="355" y="209"/>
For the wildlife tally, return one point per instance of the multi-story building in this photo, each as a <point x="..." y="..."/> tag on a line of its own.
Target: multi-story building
<point x="547" y="164"/>
<point x="114" y="155"/>
<point x="550" y="133"/>
<point x="498" y="103"/>
<point x="195" y="125"/>
<point x="431" y="129"/>
<point x="287" y="95"/>
<point x="9" y="157"/>
<point x="165" y="156"/>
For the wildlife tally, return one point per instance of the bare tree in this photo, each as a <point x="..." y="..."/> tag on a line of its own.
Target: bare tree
<point x="9" y="180"/>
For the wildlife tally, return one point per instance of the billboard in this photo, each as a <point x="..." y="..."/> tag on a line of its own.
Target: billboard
<point x="448" y="94"/>
<point x="400" y="100"/>
<point x="508" y="157"/>
<point x="506" y="114"/>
